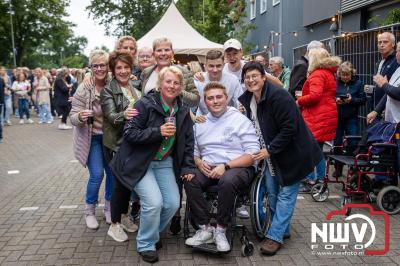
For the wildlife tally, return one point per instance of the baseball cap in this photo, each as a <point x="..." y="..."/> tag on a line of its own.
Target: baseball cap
<point x="232" y="43"/>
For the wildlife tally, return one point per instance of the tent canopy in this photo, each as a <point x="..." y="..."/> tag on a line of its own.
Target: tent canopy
<point x="185" y="39"/>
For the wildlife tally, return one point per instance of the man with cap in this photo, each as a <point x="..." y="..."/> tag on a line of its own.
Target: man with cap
<point x="233" y="55"/>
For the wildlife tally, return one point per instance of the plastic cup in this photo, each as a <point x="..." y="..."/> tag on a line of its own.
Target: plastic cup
<point x="170" y="120"/>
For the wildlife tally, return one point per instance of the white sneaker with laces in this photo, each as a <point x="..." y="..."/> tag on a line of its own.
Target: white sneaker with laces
<point x="117" y="233"/>
<point x="30" y="121"/>
<point x="241" y="212"/>
<point x="21" y="121"/>
<point x="127" y="224"/>
<point x="203" y="235"/>
<point x="220" y="240"/>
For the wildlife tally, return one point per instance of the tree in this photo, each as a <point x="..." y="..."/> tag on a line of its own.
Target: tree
<point x="127" y="17"/>
<point x="393" y="16"/>
<point x="39" y="32"/>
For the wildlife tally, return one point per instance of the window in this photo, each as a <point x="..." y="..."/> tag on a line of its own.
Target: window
<point x="275" y="2"/>
<point x="263" y="6"/>
<point x="253" y="9"/>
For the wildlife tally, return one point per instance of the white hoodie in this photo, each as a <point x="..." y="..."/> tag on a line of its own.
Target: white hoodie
<point x="220" y="140"/>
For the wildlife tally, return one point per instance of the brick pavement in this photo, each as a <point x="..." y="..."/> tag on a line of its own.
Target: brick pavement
<point x="49" y="178"/>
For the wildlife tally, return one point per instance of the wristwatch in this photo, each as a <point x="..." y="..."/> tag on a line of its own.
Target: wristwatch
<point x="227" y="167"/>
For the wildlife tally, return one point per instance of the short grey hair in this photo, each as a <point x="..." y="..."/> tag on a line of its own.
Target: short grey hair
<point x="277" y="60"/>
<point x="392" y="38"/>
<point x="98" y="54"/>
<point x="314" y="44"/>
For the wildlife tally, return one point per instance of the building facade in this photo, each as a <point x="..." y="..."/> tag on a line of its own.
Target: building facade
<point x="283" y="25"/>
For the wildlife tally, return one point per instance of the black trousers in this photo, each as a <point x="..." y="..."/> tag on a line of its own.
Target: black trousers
<point x="233" y="182"/>
<point x="119" y="201"/>
<point x="65" y="109"/>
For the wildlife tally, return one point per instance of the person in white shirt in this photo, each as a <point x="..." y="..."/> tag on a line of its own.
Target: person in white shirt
<point x="224" y="146"/>
<point x="214" y="65"/>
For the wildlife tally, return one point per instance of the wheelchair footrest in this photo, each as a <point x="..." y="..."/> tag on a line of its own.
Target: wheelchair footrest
<point x="210" y="248"/>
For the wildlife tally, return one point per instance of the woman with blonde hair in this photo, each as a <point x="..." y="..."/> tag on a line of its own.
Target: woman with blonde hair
<point x="318" y="103"/>
<point x="87" y="119"/>
<point x="43" y="97"/>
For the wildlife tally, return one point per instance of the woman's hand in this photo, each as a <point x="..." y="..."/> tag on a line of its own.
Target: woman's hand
<point x="348" y="99"/>
<point x="260" y="155"/>
<point x="168" y="130"/>
<point x="188" y="177"/>
<point x="200" y="119"/>
<point x="129" y="113"/>
<point x="85" y="114"/>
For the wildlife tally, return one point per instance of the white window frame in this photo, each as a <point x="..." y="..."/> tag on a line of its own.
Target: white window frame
<point x="263" y="2"/>
<point x="275" y="2"/>
<point x="253" y="9"/>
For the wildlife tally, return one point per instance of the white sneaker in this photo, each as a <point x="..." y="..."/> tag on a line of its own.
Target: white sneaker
<point x="8" y="122"/>
<point x="241" y="212"/>
<point x="21" y="121"/>
<point x="50" y="122"/>
<point x="41" y="122"/>
<point x="127" y="224"/>
<point x="202" y="236"/>
<point x="117" y="233"/>
<point x="220" y="240"/>
<point x="63" y="126"/>
<point x="30" y="121"/>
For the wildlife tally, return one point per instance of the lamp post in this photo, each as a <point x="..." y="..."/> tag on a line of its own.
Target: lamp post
<point x="12" y="35"/>
<point x="62" y="50"/>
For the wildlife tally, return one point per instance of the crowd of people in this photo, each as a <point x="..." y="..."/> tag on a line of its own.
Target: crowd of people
<point x="154" y="129"/>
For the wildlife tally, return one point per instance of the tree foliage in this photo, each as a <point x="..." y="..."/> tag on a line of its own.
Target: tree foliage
<point x="127" y="17"/>
<point x="40" y="33"/>
<point x="393" y="16"/>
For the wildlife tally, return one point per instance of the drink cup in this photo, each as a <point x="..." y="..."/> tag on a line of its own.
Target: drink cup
<point x="170" y="120"/>
<point x="298" y="94"/>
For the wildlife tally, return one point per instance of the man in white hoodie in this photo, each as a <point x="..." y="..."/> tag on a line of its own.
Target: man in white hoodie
<point x="224" y="146"/>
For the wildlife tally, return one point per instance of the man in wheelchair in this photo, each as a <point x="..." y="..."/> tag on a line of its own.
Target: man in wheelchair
<point x="223" y="150"/>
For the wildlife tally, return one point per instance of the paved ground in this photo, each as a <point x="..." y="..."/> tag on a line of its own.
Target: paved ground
<point x="53" y="231"/>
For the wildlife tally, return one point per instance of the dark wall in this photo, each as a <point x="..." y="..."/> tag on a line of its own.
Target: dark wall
<point x="318" y="10"/>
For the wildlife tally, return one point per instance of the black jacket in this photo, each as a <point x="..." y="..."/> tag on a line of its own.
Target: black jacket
<point x="62" y="91"/>
<point x="298" y="76"/>
<point x="2" y="89"/>
<point x="142" y="139"/>
<point x="293" y="149"/>
<point x="358" y="97"/>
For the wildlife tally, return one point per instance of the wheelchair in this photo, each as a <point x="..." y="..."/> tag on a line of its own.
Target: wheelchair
<point x="362" y="163"/>
<point x="256" y="196"/>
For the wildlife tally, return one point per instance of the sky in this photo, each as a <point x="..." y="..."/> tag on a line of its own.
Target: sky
<point x="87" y="27"/>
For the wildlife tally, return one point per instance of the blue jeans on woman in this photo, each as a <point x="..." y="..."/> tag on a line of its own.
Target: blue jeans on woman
<point x="23" y="108"/>
<point x="281" y="202"/>
<point x="348" y="127"/>
<point x="159" y="199"/>
<point x="97" y="165"/>
<point x="44" y="113"/>
<point x="7" y="108"/>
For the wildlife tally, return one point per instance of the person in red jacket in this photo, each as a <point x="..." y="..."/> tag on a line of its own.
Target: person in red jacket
<point x="318" y="103"/>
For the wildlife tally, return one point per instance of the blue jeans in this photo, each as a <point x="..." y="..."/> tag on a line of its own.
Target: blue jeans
<point x="346" y="127"/>
<point x="281" y="202"/>
<point x="159" y="198"/>
<point x="8" y="107"/>
<point x="321" y="170"/>
<point x="23" y="108"/>
<point x="97" y="165"/>
<point x="44" y="113"/>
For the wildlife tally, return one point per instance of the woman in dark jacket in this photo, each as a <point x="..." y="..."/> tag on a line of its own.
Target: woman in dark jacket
<point x="350" y="96"/>
<point x="63" y="91"/>
<point x="157" y="146"/>
<point x="287" y="145"/>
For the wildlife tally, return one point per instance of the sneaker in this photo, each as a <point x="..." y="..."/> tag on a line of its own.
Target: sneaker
<point x="30" y="121"/>
<point x="117" y="233"/>
<point x="21" y="121"/>
<point x="8" y="123"/>
<point x="63" y="127"/>
<point x="304" y="188"/>
<point x="127" y="224"/>
<point x="50" y="122"/>
<point x="241" y="212"/>
<point x="220" y="240"/>
<point x="203" y="235"/>
<point x="41" y="122"/>
<point x="90" y="218"/>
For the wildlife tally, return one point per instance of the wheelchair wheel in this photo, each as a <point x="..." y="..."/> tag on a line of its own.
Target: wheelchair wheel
<point x="247" y="249"/>
<point x="259" y="210"/>
<point x="320" y="192"/>
<point x="388" y="199"/>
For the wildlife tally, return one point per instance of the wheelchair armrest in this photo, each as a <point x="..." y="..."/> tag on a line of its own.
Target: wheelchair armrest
<point x="384" y="145"/>
<point x="352" y="137"/>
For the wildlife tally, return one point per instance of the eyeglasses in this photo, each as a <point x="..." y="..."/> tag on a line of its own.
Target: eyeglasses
<point x="99" y="66"/>
<point x="252" y="77"/>
<point x="144" y="56"/>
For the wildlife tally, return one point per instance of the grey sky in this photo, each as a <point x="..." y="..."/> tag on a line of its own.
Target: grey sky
<point x="87" y="27"/>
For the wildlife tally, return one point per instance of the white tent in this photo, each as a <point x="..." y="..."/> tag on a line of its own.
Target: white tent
<point x="185" y="39"/>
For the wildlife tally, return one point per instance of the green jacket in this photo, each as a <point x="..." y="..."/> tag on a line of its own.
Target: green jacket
<point x="284" y="77"/>
<point x="113" y="105"/>
<point x="190" y="95"/>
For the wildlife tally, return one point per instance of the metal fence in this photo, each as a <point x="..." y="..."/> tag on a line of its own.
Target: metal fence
<point x="360" y="48"/>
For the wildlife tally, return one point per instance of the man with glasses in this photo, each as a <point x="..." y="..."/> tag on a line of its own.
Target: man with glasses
<point x="145" y="59"/>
